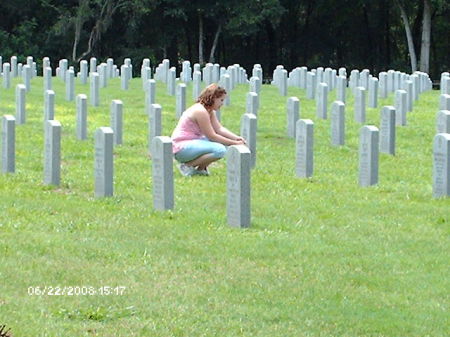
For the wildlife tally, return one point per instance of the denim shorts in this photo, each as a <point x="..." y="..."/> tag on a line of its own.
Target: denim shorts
<point x="198" y="147"/>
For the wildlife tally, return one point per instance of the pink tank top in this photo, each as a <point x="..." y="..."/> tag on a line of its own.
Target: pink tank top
<point x="185" y="131"/>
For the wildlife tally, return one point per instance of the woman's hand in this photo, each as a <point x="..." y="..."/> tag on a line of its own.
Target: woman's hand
<point x="242" y="140"/>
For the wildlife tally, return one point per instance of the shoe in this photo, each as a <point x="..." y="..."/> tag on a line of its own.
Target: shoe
<point x="186" y="170"/>
<point x="202" y="172"/>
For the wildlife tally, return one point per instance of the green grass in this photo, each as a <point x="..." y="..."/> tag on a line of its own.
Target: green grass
<point x="323" y="256"/>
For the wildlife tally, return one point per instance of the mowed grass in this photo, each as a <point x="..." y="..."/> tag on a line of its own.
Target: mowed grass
<point x="323" y="256"/>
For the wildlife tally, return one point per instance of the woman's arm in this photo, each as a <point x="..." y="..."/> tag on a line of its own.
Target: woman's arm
<point x="206" y="127"/>
<point x="223" y="131"/>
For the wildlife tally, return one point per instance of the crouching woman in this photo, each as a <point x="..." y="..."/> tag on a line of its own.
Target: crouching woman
<point x="199" y="139"/>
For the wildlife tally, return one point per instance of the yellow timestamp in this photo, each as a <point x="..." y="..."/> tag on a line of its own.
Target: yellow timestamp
<point x="76" y="290"/>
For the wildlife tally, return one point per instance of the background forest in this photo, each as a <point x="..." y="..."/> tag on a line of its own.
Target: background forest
<point x="373" y="34"/>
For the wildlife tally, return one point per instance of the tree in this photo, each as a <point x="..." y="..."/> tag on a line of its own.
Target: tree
<point x="409" y="36"/>
<point x="426" y="37"/>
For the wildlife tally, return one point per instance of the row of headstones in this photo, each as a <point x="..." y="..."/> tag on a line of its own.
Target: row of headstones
<point x="368" y="165"/>
<point x="238" y="167"/>
<point x="390" y="117"/>
<point x="15" y="68"/>
<point x="369" y="147"/>
<point x="99" y="76"/>
<point x="389" y="82"/>
<point x="403" y="100"/>
<point x="238" y="164"/>
<point x="252" y="106"/>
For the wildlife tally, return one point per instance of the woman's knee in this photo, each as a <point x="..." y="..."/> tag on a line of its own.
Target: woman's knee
<point x="219" y="151"/>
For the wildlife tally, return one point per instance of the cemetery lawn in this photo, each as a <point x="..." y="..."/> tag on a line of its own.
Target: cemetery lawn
<point x="323" y="256"/>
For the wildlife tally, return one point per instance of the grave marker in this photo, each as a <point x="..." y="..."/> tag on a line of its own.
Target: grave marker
<point x="400" y="107"/>
<point x="322" y="100"/>
<point x="20" y="104"/>
<point x="310" y="85"/>
<point x="238" y="186"/>
<point x="94" y="89"/>
<point x="441" y="165"/>
<point x="251" y="106"/>
<point x="154" y="124"/>
<point x="248" y="132"/>
<point x="443" y="121"/>
<point x="81" y="104"/>
<point x="52" y="153"/>
<point x="360" y="105"/>
<point x="409" y="95"/>
<point x="171" y="81"/>
<point x="293" y="114"/>
<point x="26" y="75"/>
<point x="104" y="162"/>
<point x="92" y="65"/>
<point x="117" y="120"/>
<point x="47" y="78"/>
<point x="283" y="83"/>
<point x="304" y="163"/>
<point x="368" y="155"/>
<point x="387" y="130"/>
<point x="162" y="172"/>
<point x="373" y="92"/>
<point x="180" y="99"/>
<point x="341" y="88"/>
<point x="8" y="144"/>
<point x="150" y="94"/>
<point x="338" y="123"/>
<point x="6" y="75"/>
<point x="14" y="66"/>
<point x="49" y="106"/>
<point x="124" y="76"/>
<point x="83" y="71"/>
<point x="196" y="87"/>
<point x="70" y="85"/>
<point x="444" y="102"/>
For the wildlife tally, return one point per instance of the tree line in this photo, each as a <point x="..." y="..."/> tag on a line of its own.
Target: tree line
<point x="405" y="35"/>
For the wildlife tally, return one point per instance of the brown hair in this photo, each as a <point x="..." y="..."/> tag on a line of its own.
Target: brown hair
<point x="210" y="93"/>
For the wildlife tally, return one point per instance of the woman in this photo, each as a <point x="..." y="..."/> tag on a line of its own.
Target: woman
<point x="199" y="139"/>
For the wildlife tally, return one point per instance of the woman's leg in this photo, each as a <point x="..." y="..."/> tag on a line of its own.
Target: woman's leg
<point x="202" y="162"/>
<point x="200" y="153"/>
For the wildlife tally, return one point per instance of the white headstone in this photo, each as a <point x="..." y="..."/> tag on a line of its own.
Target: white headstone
<point x="248" y="132"/>
<point x="338" y="123"/>
<point x="443" y="121"/>
<point x="117" y="120"/>
<point x="400" y="107"/>
<point x="70" y="85"/>
<point x="304" y="166"/>
<point x="322" y="101"/>
<point x="104" y="162"/>
<point x="81" y="105"/>
<point x="360" y="105"/>
<point x="52" y="153"/>
<point x="180" y="99"/>
<point x="387" y="130"/>
<point x="441" y="165"/>
<point x="154" y="124"/>
<point x="94" y="89"/>
<point x="368" y="155"/>
<point x="238" y="186"/>
<point x="8" y="144"/>
<point x="20" y="104"/>
<point x="292" y="115"/>
<point x="373" y="92"/>
<point x="162" y="172"/>
<point x="49" y="106"/>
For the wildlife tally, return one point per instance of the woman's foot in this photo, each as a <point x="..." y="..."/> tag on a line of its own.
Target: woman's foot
<point x="187" y="170"/>
<point x="203" y="172"/>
